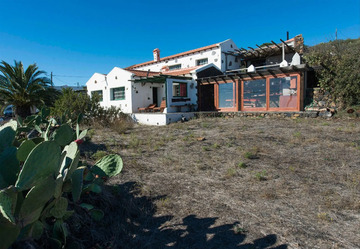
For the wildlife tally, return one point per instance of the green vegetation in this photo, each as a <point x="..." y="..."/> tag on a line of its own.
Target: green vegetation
<point x="261" y="175"/>
<point x="242" y="165"/>
<point x="340" y="69"/>
<point x="77" y="102"/>
<point x="41" y="175"/>
<point x="94" y="114"/>
<point x="25" y="88"/>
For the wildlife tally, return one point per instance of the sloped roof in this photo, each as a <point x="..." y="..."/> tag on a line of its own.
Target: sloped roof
<point x="174" y="56"/>
<point x="180" y="71"/>
<point x="142" y="73"/>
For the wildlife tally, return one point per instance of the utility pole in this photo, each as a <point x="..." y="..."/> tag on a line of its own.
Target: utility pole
<point x="51" y="75"/>
<point x="336" y="34"/>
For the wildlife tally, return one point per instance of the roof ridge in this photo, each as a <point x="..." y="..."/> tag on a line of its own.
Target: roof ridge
<point x="175" y="55"/>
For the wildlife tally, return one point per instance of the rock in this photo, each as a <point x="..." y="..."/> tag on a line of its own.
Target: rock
<point x="322" y="103"/>
<point x="325" y="114"/>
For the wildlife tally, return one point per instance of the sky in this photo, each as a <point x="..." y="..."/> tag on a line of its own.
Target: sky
<point x="74" y="39"/>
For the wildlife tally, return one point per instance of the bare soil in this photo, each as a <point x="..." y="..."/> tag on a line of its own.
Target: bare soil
<point x="232" y="183"/>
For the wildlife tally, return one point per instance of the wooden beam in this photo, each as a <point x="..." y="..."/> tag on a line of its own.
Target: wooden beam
<point x="271" y="72"/>
<point x="276" y="44"/>
<point x="287" y="45"/>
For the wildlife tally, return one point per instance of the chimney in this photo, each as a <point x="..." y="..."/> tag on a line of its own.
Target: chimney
<point x="156" y="53"/>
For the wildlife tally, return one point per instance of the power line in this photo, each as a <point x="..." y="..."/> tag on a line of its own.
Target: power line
<point x="72" y="76"/>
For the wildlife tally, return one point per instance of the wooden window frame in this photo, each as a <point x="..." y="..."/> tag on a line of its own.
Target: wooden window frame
<point x="216" y="95"/>
<point x="268" y="108"/>
<point x="187" y="92"/>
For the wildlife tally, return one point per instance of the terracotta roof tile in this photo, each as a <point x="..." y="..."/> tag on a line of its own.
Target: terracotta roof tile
<point x="180" y="71"/>
<point x="173" y="56"/>
<point x="142" y="73"/>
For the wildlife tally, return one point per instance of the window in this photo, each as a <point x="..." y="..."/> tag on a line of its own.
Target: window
<point x="202" y="62"/>
<point x="283" y="92"/>
<point x="255" y="94"/>
<point x="99" y="92"/>
<point x="175" y="67"/>
<point x="179" y="89"/>
<point x="118" y="93"/>
<point x="226" y="95"/>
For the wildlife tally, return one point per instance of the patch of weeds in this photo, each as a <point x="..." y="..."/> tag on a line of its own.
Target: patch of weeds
<point x="297" y="134"/>
<point x="162" y="202"/>
<point x="98" y="155"/>
<point x="324" y="217"/>
<point x="205" y="148"/>
<point x="134" y="142"/>
<point x="230" y="172"/>
<point x="216" y="146"/>
<point x="251" y="155"/>
<point x="242" y="165"/>
<point x="205" y="125"/>
<point x="292" y="168"/>
<point x="261" y="175"/>
<point x="325" y="124"/>
<point x="238" y="229"/>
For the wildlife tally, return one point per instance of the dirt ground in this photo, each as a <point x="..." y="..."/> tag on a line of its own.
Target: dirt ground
<point x="233" y="183"/>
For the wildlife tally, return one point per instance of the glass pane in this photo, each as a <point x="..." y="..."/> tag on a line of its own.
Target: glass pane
<point x="283" y="92"/>
<point x="118" y="93"/>
<point x="255" y="94"/>
<point x="226" y="95"/>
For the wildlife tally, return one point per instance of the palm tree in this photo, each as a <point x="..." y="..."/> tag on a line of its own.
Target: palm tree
<point x="25" y="89"/>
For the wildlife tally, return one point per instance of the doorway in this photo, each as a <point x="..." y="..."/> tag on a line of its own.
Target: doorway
<point x="155" y="95"/>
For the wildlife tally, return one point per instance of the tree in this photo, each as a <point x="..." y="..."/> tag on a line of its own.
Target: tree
<point x="25" y="89"/>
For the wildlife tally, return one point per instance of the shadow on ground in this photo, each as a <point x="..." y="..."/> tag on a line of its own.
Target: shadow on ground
<point x="130" y="222"/>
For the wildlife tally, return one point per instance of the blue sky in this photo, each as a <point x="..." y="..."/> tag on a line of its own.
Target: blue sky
<point x="73" y="39"/>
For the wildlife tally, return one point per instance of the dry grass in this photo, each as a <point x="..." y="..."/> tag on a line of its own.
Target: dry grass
<point x="251" y="183"/>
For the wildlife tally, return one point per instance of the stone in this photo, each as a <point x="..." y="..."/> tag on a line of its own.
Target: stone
<point x="322" y="103"/>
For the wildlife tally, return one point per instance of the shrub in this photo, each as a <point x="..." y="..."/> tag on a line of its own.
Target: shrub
<point x="340" y="72"/>
<point x="94" y="114"/>
<point x="76" y="102"/>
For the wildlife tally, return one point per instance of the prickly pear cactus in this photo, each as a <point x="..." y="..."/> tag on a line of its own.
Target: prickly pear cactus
<point x="40" y="174"/>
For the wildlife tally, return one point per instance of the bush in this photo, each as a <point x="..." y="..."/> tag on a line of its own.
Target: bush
<point x="94" y="114"/>
<point x="76" y="102"/>
<point x="340" y="69"/>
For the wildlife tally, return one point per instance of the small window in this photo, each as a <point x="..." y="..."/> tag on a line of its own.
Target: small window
<point x="99" y="92"/>
<point x="202" y="62"/>
<point x="175" y="67"/>
<point x="179" y="89"/>
<point x="118" y="93"/>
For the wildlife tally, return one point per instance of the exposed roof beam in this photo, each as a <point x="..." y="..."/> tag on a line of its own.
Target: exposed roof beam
<point x="287" y="45"/>
<point x="276" y="44"/>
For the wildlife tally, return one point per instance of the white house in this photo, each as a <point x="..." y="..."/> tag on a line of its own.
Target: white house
<point x="171" y="79"/>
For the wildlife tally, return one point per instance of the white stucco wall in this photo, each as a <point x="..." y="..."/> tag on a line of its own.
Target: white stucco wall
<point x="143" y="95"/>
<point x="228" y="61"/>
<point x="213" y="55"/>
<point x="95" y="83"/>
<point x="118" y="77"/>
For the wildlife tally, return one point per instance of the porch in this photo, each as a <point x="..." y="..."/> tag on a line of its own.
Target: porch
<point x="170" y="94"/>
